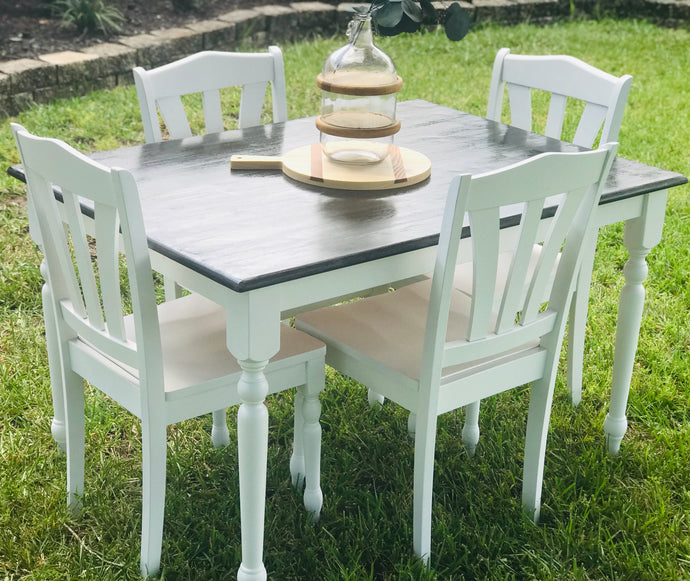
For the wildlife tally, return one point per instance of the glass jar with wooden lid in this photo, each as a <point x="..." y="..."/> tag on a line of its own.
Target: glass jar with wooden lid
<point x="359" y="86"/>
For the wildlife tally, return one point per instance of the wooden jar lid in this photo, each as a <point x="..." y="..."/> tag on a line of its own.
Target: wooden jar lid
<point x="359" y="83"/>
<point x="357" y="124"/>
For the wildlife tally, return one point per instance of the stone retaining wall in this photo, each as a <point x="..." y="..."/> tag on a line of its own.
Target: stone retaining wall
<point x="24" y="82"/>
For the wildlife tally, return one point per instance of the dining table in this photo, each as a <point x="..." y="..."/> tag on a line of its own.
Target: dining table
<point x="266" y="247"/>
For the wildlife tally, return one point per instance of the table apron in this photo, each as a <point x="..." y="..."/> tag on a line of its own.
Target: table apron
<point x="307" y="293"/>
<point x="646" y="205"/>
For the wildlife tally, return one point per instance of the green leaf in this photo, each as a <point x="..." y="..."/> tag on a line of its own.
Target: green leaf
<point x="412" y="9"/>
<point x="428" y="10"/>
<point x="388" y="15"/>
<point x="406" y="24"/>
<point x="457" y="22"/>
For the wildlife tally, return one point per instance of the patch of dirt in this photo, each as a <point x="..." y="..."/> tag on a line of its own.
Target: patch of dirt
<point x="29" y="28"/>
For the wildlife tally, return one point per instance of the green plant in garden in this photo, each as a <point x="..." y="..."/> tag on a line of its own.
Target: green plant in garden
<point x="90" y="15"/>
<point x="392" y="17"/>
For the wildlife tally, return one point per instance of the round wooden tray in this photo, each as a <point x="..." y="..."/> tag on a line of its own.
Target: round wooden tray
<point x="401" y="168"/>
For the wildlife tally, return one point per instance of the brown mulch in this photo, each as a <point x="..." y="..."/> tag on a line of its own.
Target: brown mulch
<point x="28" y="28"/>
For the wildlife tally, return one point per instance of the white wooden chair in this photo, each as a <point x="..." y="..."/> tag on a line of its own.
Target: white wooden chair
<point x="433" y="349"/>
<point x="161" y="89"/>
<point x="565" y="80"/>
<point x="564" y="77"/>
<point x="207" y="73"/>
<point x="605" y="96"/>
<point x="163" y="363"/>
<point x="57" y="427"/>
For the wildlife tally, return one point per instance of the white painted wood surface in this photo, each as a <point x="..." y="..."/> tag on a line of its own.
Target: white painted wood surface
<point x="163" y="363"/>
<point x="207" y="72"/>
<point x="347" y="244"/>
<point x="432" y="349"/>
<point x="565" y="80"/>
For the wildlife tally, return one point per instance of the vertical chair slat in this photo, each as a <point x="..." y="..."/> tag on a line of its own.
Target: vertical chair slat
<point x="174" y="117"/>
<point x="55" y="245"/>
<point x="592" y="119"/>
<point x="554" y="121"/>
<point x="82" y="254"/>
<point x="553" y="243"/>
<point x="511" y="303"/>
<point x="520" y="106"/>
<point x="251" y="104"/>
<point x="213" y="114"/>
<point x="107" y="226"/>
<point x="484" y="225"/>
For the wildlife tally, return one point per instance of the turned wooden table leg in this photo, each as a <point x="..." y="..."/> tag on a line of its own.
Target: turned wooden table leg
<point x="252" y="445"/>
<point x="641" y="235"/>
<point x="253" y="338"/>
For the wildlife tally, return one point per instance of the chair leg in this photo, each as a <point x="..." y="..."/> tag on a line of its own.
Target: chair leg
<point x="57" y="427"/>
<point x="541" y="397"/>
<point x="313" y="496"/>
<point x="171" y="288"/>
<point x="297" y="469"/>
<point x="374" y="398"/>
<point x="470" y="431"/>
<point x="154" y="450"/>
<point x="578" y="319"/>
<point x="425" y="446"/>
<point x="412" y="424"/>
<point x="74" y="435"/>
<point x="220" y="435"/>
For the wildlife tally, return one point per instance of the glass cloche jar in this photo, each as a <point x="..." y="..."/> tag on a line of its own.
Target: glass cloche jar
<point x="359" y="86"/>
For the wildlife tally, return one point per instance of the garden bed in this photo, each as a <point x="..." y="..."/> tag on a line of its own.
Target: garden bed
<point x="28" y="28"/>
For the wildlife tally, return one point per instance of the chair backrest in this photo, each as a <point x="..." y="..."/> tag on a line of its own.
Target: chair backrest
<point x="83" y="259"/>
<point x="34" y="232"/>
<point x="207" y="73"/>
<point x="571" y="180"/>
<point x="564" y="77"/>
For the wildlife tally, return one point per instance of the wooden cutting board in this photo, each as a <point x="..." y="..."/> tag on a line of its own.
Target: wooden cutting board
<point x="403" y="167"/>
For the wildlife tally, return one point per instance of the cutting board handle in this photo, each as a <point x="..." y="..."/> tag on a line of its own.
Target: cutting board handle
<point x="256" y="162"/>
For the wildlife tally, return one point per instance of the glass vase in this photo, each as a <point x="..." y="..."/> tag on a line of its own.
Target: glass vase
<point x="359" y="86"/>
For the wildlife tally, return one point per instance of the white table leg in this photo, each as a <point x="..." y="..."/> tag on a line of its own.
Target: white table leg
<point x="252" y="444"/>
<point x="641" y="235"/>
<point x="253" y="337"/>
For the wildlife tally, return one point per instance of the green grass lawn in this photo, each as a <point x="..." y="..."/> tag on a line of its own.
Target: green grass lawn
<point x="602" y="518"/>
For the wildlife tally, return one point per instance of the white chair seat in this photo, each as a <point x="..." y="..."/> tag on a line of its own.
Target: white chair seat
<point x="193" y="341"/>
<point x="462" y="283"/>
<point x="388" y="329"/>
<point x="194" y="352"/>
